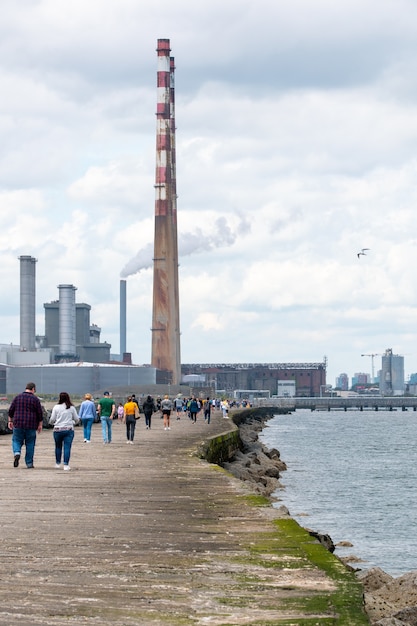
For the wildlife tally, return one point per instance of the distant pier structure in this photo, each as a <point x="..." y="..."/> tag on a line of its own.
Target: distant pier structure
<point x="165" y="354"/>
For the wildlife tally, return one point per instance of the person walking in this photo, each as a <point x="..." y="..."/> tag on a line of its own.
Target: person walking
<point x="120" y="412"/>
<point x="224" y="405"/>
<point x="25" y="420"/>
<point x="207" y="411"/>
<point x="194" y="409"/>
<point x="106" y="409"/>
<point x="129" y="412"/>
<point x="87" y="416"/>
<point x="63" y="418"/>
<point x="166" y="408"/>
<point x="178" y="403"/>
<point x="148" y="408"/>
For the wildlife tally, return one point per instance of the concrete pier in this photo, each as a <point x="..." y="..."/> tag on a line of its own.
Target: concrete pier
<point x="150" y="534"/>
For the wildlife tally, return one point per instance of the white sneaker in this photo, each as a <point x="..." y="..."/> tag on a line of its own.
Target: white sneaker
<point x="128" y="441"/>
<point x="57" y="466"/>
<point x="67" y="468"/>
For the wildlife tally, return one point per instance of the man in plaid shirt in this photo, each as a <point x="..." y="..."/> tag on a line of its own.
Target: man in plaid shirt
<point x="25" y="419"/>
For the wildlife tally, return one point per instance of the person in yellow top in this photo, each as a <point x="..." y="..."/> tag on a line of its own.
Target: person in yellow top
<point x="129" y="418"/>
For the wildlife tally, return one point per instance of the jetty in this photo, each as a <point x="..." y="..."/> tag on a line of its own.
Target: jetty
<point x="152" y="534"/>
<point x="358" y="403"/>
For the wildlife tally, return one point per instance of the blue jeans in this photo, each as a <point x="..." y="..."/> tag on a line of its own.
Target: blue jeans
<point x="25" y="436"/>
<point x="63" y="439"/>
<point x="87" y="425"/>
<point x="106" y="423"/>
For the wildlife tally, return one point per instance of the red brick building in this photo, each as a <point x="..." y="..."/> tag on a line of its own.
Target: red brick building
<point x="309" y="377"/>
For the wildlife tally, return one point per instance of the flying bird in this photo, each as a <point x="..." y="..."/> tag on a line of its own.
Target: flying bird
<point x="362" y="252"/>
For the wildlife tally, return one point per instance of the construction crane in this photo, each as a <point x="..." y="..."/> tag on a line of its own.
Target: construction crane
<point x="372" y="355"/>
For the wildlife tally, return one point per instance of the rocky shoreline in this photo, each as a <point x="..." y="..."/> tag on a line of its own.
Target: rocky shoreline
<point x="388" y="601"/>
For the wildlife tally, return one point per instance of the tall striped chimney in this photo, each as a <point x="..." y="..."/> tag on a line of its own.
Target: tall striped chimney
<point x="165" y="315"/>
<point x="122" y="318"/>
<point x="176" y="303"/>
<point x="27" y="302"/>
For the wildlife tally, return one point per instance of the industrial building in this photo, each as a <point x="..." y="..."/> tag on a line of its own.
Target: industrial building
<point x="76" y="379"/>
<point x="309" y="378"/>
<point x="83" y="338"/>
<point x="391" y="379"/>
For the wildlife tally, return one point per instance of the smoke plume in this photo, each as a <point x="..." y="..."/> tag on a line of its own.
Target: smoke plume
<point x="190" y="243"/>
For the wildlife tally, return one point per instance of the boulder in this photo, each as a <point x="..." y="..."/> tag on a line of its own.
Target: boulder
<point x="325" y="540"/>
<point x="396" y="599"/>
<point x="3" y="422"/>
<point x="374" y="578"/>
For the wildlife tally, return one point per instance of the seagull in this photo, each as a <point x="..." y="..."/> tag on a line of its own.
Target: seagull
<point x="362" y="252"/>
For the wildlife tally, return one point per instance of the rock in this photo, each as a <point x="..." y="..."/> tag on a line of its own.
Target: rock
<point x="407" y="616"/>
<point x="374" y="578"/>
<point x="391" y="599"/>
<point x="3" y="422"/>
<point x="325" y="540"/>
<point x="282" y="510"/>
<point x="4" y="416"/>
<point x="352" y="558"/>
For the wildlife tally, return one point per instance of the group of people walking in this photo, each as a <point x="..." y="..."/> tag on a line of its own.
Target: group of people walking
<point x="26" y="416"/>
<point x="25" y="419"/>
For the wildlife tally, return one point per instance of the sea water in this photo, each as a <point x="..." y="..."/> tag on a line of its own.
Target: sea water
<point x="352" y="475"/>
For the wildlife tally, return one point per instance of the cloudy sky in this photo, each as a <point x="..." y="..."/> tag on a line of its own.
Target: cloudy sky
<point x="296" y="148"/>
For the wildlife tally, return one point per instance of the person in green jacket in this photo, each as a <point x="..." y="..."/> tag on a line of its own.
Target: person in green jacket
<point x="106" y="409"/>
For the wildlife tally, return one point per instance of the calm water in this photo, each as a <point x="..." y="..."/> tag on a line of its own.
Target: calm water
<point x="353" y="476"/>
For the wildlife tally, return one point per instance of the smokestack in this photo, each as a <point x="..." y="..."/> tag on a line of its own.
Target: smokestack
<point x="27" y="302"/>
<point x="67" y="320"/>
<point x="122" y="318"/>
<point x="165" y="316"/>
<point x="176" y="356"/>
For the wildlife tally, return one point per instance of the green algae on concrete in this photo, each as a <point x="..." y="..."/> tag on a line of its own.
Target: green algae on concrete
<point x="295" y="548"/>
<point x="291" y="547"/>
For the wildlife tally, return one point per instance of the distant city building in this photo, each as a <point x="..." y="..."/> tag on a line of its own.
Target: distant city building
<point x="412" y="384"/>
<point x="392" y="381"/>
<point x="360" y="378"/>
<point x="342" y="382"/>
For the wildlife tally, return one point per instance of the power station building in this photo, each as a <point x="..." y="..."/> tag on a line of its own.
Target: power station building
<point x="83" y="342"/>
<point x="309" y="378"/>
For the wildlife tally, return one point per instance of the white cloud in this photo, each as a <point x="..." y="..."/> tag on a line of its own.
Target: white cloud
<point x="296" y="143"/>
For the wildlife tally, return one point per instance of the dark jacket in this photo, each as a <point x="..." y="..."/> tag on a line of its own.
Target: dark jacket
<point x="148" y="406"/>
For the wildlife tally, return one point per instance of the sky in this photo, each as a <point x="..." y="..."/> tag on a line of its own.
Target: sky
<point x="296" y="148"/>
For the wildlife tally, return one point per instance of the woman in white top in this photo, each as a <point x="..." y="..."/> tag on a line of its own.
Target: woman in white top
<point x="63" y="418"/>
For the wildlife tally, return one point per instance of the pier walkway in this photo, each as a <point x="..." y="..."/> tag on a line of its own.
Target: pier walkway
<point x="359" y="402"/>
<point x="149" y="534"/>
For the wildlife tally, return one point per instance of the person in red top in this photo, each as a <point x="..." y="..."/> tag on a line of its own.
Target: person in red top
<point x="25" y="419"/>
